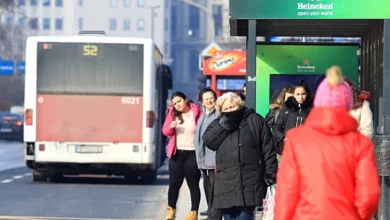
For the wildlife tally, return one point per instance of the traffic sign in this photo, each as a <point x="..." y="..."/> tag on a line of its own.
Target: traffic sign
<point x="6" y="68"/>
<point x="21" y="67"/>
<point x="207" y="52"/>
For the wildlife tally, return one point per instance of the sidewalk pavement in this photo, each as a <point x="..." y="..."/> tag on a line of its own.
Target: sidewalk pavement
<point x="183" y="205"/>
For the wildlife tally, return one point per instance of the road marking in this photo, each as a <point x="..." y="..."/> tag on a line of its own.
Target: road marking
<point x="27" y="174"/>
<point x="61" y="218"/>
<point x="17" y="177"/>
<point x="7" y="181"/>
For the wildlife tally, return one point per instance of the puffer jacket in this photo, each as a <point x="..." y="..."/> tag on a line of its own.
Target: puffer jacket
<point x="245" y="159"/>
<point x="204" y="156"/>
<point x="291" y="115"/>
<point x="363" y="115"/>
<point x="327" y="171"/>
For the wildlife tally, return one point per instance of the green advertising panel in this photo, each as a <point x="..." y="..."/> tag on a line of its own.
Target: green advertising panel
<point x="280" y="65"/>
<point x="309" y="9"/>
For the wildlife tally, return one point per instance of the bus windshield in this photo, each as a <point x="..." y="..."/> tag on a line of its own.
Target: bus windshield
<point x="89" y="68"/>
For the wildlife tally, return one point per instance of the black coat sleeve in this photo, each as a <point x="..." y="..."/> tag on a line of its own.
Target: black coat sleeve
<point x="270" y="118"/>
<point x="269" y="152"/>
<point x="278" y="128"/>
<point x="214" y="135"/>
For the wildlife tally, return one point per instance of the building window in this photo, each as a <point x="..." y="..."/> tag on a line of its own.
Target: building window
<point x="46" y="3"/>
<point x="126" y="3"/>
<point x="81" y="23"/>
<point x="166" y="24"/>
<point x="140" y="3"/>
<point x="22" y="22"/>
<point x="33" y="2"/>
<point x="113" y="24"/>
<point x="194" y="26"/>
<point x="166" y="45"/>
<point x="33" y="23"/>
<point x="22" y="2"/>
<point x="173" y="22"/>
<point x="218" y="19"/>
<point x="81" y="2"/>
<point x="59" y="23"/>
<point x="46" y="24"/>
<point x="59" y="3"/>
<point x="113" y="3"/>
<point x="9" y="20"/>
<point x="126" y="24"/>
<point x="140" y="24"/>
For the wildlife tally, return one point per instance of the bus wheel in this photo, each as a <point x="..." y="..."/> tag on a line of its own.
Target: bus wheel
<point x="56" y="177"/>
<point x="149" y="178"/>
<point x="38" y="177"/>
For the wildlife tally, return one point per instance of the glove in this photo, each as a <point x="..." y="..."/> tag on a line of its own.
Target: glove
<point x="269" y="178"/>
<point x="227" y="123"/>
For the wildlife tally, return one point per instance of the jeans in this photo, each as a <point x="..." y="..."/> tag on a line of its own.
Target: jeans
<point x="239" y="213"/>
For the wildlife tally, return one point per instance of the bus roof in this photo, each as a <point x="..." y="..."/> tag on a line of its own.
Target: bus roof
<point x="89" y="38"/>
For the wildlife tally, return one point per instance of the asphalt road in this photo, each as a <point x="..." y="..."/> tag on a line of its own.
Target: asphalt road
<point x="75" y="198"/>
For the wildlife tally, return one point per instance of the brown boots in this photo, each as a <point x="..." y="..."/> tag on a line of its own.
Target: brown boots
<point x="171" y="215"/>
<point x="192" y="216"/>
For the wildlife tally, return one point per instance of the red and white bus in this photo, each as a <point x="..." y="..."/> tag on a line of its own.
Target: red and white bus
<point x="94" y="105"/>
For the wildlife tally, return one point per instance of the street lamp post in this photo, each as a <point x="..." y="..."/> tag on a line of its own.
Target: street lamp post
<point x="211" y="31"/>
<point x="154" y="14"/>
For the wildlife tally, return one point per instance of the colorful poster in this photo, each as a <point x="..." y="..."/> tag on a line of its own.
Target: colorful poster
<point x="309" y="9"/>
<point x="229" y="63"/>
<point x="281" y="65"/>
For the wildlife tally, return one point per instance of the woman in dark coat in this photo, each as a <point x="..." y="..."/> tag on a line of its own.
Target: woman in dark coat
<point x="245" y="157"/>
<point x="293" y="114"/>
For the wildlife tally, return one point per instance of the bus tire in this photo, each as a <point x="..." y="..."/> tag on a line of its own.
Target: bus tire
<point x="149" y="178"/>
<point x="56" y="177"/>
<point x="38" y="177"/>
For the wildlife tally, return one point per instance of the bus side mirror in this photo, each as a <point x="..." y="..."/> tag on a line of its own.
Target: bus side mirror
<point x="167" y="77"/>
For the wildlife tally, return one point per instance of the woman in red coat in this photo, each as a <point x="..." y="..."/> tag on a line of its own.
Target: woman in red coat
<point x="328" y="169"/>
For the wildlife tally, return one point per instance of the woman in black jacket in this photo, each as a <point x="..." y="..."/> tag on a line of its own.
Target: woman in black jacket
<point x="293" y="114"/>
<point x="245" y="157"/>
<point x="277" y="105"/>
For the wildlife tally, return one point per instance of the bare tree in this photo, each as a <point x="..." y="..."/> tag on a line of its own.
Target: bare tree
<point x="12" y="46"/>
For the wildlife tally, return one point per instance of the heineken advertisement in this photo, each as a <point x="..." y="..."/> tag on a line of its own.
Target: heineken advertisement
<point x="280" y="65"/>
<point x="309" y="9"/>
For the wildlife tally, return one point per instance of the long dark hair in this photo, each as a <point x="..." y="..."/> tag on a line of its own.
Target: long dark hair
<point x="356" y="91"/>
<point x="280" y="100"/>
<point x="205" y="90"/>
<point x="176" y="113"/>
<point x="303" y="84"/>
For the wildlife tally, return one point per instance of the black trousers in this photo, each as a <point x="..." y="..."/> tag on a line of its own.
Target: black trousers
<point x="183" y="164"/>
<point x="208" y="184"/>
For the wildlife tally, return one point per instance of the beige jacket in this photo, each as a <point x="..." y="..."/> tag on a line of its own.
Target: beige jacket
<point x="364" y="117"/>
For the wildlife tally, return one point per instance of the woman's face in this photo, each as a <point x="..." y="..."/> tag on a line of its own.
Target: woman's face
<point x="229" y="106"/>
<point x="300" y="94"/>
<point x="179" y="103"/>
<point x="208" y="100"/>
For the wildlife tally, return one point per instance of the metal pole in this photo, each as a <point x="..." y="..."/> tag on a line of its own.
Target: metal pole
<point x="211" y="33"/>
<point x="251" y="65"/>
<point x="152" y="23"/>
<point x="153" y="14"/>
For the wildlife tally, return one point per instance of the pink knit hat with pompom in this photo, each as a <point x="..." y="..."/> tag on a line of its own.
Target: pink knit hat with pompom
<point x="333" y="91"/>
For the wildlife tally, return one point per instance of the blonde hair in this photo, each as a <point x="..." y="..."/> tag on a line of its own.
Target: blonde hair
<point x="334" y="76"/>
<point x="231" y="97"/>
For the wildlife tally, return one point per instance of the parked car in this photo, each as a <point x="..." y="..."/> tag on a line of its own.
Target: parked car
<point x="11" y="126"/>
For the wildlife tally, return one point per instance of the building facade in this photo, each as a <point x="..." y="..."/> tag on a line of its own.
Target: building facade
<point x="124" y="18"/>
<point x="192" y="30"/>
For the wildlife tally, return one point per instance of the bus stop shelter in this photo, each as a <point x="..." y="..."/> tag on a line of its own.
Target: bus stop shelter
<point x="369" y="20"/>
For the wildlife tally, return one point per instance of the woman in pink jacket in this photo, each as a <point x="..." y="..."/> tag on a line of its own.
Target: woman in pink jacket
<point x="180" y="124"/>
